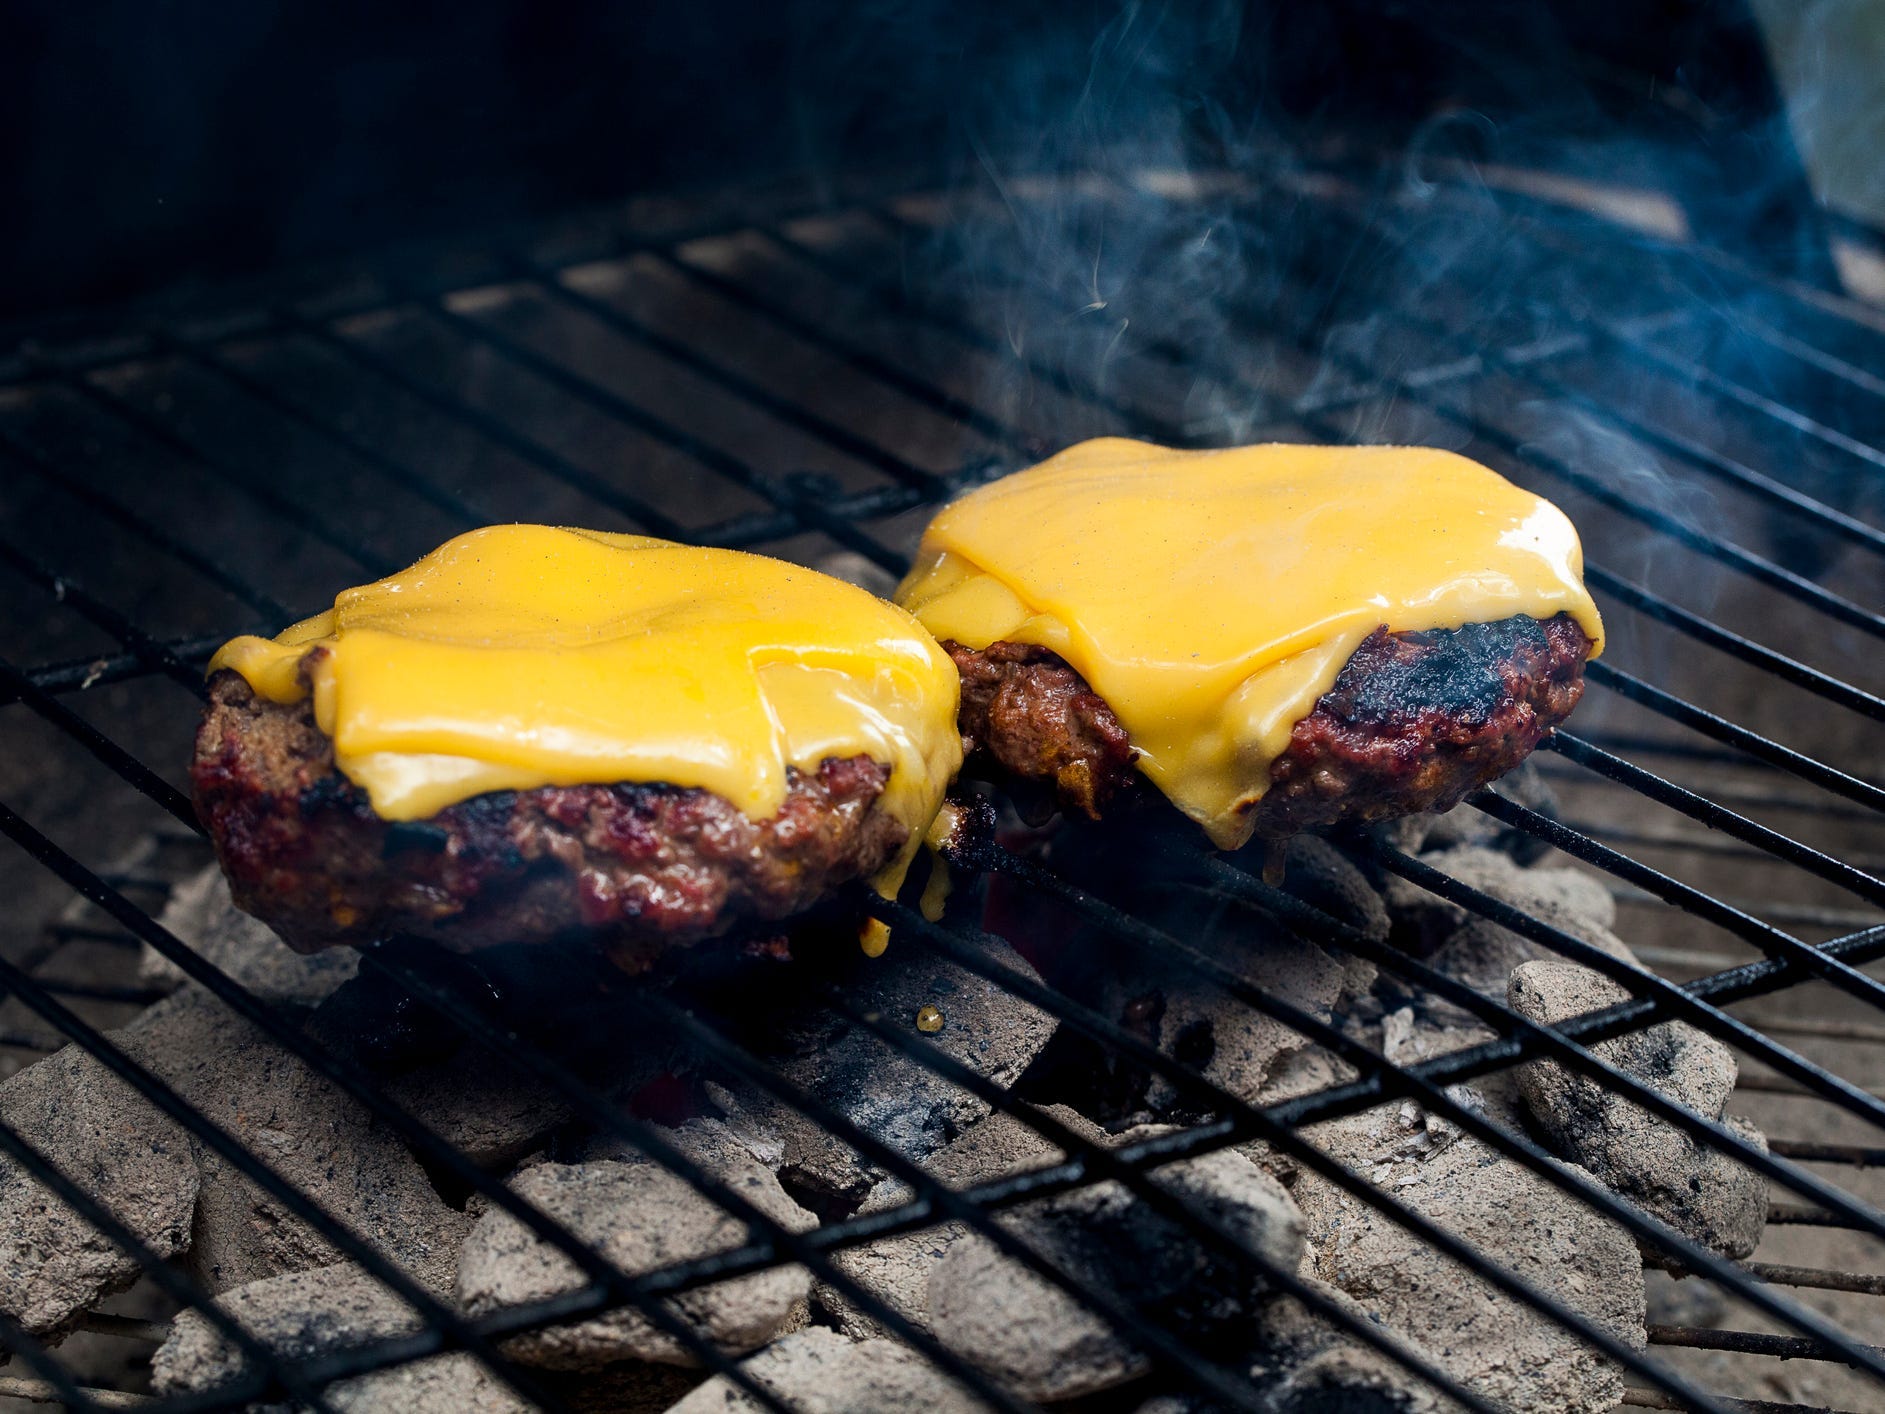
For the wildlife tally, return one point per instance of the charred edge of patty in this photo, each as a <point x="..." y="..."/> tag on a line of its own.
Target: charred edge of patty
<point x="641" y="866"/>
<point x="1415" y="721"/>
<point x="1028" y="711"/>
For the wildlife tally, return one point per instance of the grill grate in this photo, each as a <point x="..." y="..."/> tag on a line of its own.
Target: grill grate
<point x="542" y="373"/>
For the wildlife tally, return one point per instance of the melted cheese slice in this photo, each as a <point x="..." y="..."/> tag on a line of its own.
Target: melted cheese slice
<point x="1212" y="597"/>
<point x="525" y="655"/>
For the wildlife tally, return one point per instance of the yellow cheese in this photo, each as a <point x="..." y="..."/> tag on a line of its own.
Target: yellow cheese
<point x="1212" y="597"/>
<point x="525" y="655"/>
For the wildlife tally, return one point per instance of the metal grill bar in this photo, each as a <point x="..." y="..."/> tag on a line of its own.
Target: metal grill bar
<point x="151" y="655"/>
<point x="1702" y="631"/>
<point x="1814" y="1152"/>
<point x="929" y="312"/>
<point x="45" y="1392"/>
<point x="780" y="1239"/>
<point x="1697" y="842"/>
<point x="1434" y="397"/>
<point x="15" y="1338"/>
<point x="1752" y="795"/>
<point x="1799" y="1215"/>
<point x="1836" y="1030"/>
<point x="21" y="455"/>
<point x="1774" y="1085"/>
<point x="1716" y="817"/>
<point x="114" y="756"/>
<point x="1789" y="959"/>
<point x="124" y="1327"/>
<point x="179" y="1288"/>
<point x="498" y="433"/>
<point x="1768" y="939"/>
<point x="1654" y="745"/>
<point x="422" y="487"/>
<point x="85" y="933"/>
<point x="360" y="1087"/>
<point x="1682" y="1002"/>
<point x="312" y="522"/>
<point x="1752" y="743"/>
<point x="1628" y="340"/>
<point x="134" y="996"/>
<point x="1652" y="1399"/>
<point x="81" y="674"/>
<point x="1744" y="1342"/>
<point x="22" y="987"/>
<point x="1250" y="1122"/>
<point x="1387" y="1080"/>
<point x="1866" y="1283"/>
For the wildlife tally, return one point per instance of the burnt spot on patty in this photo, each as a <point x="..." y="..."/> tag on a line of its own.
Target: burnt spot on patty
<point x="1417" y="721"/>
<point x="1414" y="721"/>
<point x="640" y="867"/>
<point x="1460" y="672"/>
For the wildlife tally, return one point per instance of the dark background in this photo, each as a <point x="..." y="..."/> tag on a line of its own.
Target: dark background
<point x="148" y="144"/>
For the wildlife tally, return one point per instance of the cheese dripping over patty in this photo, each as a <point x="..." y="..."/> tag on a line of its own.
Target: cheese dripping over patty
<point x="1211" y="597"/>
<point x="520" y="656"/>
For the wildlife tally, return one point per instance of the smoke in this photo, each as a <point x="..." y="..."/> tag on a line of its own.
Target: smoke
<point x="1096" y="216"/>
<point x="1208" y="224"/>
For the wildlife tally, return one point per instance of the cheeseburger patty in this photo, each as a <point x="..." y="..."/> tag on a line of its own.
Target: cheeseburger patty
<point x="642" y="866"/>
<point x="1414" y="722"/>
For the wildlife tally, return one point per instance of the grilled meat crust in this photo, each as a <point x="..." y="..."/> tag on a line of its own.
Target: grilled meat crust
<point x="643" y="868"/>
<point x="1028" y="711"/>
<point x="1415" y="721"/>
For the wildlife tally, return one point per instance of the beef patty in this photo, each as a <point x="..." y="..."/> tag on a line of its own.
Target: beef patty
<point x="640" y="867"/>
<point x="1414" y="722"/>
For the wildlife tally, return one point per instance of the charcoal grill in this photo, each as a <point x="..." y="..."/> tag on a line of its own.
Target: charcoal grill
<point x="803" y="379"/>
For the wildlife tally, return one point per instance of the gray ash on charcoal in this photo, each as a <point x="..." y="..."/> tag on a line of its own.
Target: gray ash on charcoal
<point x="1500" y="1348"/>
<point x="1446" y="829"/>
<point x="795" y="1006"/>
<point x="1044" y="1344"/>
<point x="1700" y="1192"/>
<point x="799" y="1026"/>
<point x="1162" y="1003"/>
<point x="640" y="1216"/>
